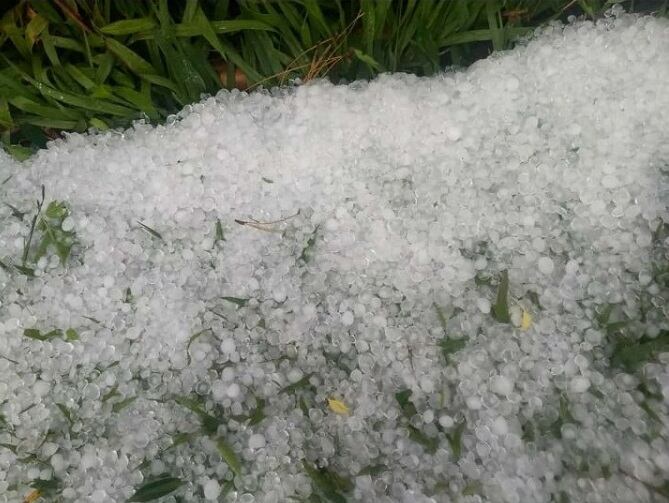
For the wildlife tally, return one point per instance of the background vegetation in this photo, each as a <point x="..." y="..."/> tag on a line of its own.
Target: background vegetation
<point x="70" y="65"/>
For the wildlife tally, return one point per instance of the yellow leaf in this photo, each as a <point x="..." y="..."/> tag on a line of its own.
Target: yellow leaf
<point x="32" y="496"/>
<point x="526" y="320"/>
<point x="338" y="407"/>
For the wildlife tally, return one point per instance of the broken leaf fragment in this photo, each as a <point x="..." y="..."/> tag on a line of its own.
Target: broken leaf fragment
<point x="338" y="407"/>
<point x="32" y="496"/>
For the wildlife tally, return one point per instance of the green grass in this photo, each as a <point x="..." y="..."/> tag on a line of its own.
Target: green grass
<point x="71" y="65"/>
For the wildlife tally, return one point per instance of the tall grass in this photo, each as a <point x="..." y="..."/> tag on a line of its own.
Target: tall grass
<point x="70" y="65"/>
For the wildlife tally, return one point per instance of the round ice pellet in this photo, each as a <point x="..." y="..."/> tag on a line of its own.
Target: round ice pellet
<point x="545" y="265"/>
<point x="211" y="489"/>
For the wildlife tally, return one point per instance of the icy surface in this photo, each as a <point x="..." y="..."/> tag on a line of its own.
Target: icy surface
<point x="363" y="229"/>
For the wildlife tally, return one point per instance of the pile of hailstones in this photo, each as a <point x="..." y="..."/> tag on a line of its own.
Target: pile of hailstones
<point x="408" y="290"/>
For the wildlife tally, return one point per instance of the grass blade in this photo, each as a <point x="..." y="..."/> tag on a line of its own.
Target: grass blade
<point x="239" y="302"/>
<point x="131" y="59"/>
<point x="229" y="456"/>
<point x="500" y="311"/>
<point x="328" y="485"/>
<point x="156" y="489"/>
<point x="129" y="26"/>
<point x="451" y="346"/>
<point x="455" y="439"/>
<point x="148" y="229"/>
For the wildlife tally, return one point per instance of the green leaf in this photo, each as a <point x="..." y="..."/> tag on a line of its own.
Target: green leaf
<point x="131" y="59"/>
<point x="645" y="406"/>
<point x="373" y="470"/>
<point x="80" y="101"/>
<point x="218" y="232"/>
<point x="47" y="487"/>
<point x="66" y="413"/>
<point x="227" y="52"/>
<point x="467" y="37"/>
<point x="80" y="77"/>
<point x="33" y="333"/>
<point x="328" y="485"/>
<point x="119" y="406"/>
<point x="19" y="152"/>
<point x="189" y="10"/>
<point x="428" y="443"/>
<point x="236" y="300"/>
<point x="160" y="81"/>
<point x="156" y="489"/>
<point x="482" y="279"/>
<point x="500" y="311"/>
<point x="50" y="123"/>
<point x="129" y="26"/>
<point x="34" y="28"/>
<point x="451" y="346"/>
<point x="98" y="124"/>
<point x="472" y="488"/>
<point x="257" y="414"/>
<point x="293" y="387"/>
<point x="56" y="210"/>
<point x="493" y="14"/>
<point x="367" y="59"/>
<point x="603" y="313"/>
<point x="179" y="439"/>
<point x="308" y="250"/>
<point x="105" y="65"/>
<point x="441" y="317"/>
<point x="66" y="43"/>
<point x="110" y="394"/>
<point x="406" y="406"/>
<point x="44" y="8"/>
<point x="138" y="100"/>
<point x="26" y="271"/>
<point x="209" y="423"/>
<point x="632" y="354"/>
<point x="455" y="439"/>
<point x="229" y="456"/>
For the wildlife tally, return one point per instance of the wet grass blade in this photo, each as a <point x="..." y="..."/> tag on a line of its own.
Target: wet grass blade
<point x="218" y="231"/>
<point x="302" y="383"/>
<point x="429" y="444"/>
<point x="33" y="333"/>
<point x="66" y="413"/>
<point x="131" y="59"/>
<point x="455" y="439"/>
<point x="500" y="311"/>
<point x="451" y="346"/>
<point x="307" y="251"/>
<point x="328" y="485"/>
<point x="257" y="414"/>
<point x="229" y="456"/>
<point x="148" y="229"/>
<point x="632" y="354"/>
<point x="119" y="406"/>
<point x="156" y="489"/>
<point x="236" y="300"/>
<point x="406" y="406"/>
<point x="209" y="423"/>
<point x="128" y="26"/>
